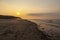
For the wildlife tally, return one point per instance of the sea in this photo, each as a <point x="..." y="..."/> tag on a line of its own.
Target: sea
<point x="50" y="27"/>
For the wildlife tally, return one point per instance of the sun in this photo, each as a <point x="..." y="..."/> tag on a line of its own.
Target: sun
<point x="18" y="13"/>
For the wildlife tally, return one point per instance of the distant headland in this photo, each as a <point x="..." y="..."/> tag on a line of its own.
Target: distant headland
<point x="8" y="17"/>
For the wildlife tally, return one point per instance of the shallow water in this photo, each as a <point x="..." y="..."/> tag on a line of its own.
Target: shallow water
<point x="52" y="29"/>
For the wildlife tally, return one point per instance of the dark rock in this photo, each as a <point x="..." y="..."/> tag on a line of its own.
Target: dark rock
<point x="21" y="30"/>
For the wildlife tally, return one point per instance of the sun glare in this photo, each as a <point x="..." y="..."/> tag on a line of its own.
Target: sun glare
<point x="18" y="13"/>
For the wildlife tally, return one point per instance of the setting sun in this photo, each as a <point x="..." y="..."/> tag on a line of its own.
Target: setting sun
<point x="18" y="13"/>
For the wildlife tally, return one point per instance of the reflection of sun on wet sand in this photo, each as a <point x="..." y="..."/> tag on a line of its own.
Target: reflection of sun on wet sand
<point x="13" y="29"/>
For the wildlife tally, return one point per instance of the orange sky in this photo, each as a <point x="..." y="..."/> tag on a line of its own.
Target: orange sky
<point x="24" y="7"/>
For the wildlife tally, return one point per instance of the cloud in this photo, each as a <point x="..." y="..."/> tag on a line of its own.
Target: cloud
<point x="44" y="14"/>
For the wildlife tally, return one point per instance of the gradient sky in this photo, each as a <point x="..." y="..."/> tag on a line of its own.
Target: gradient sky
<point x="11" y="7"/>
